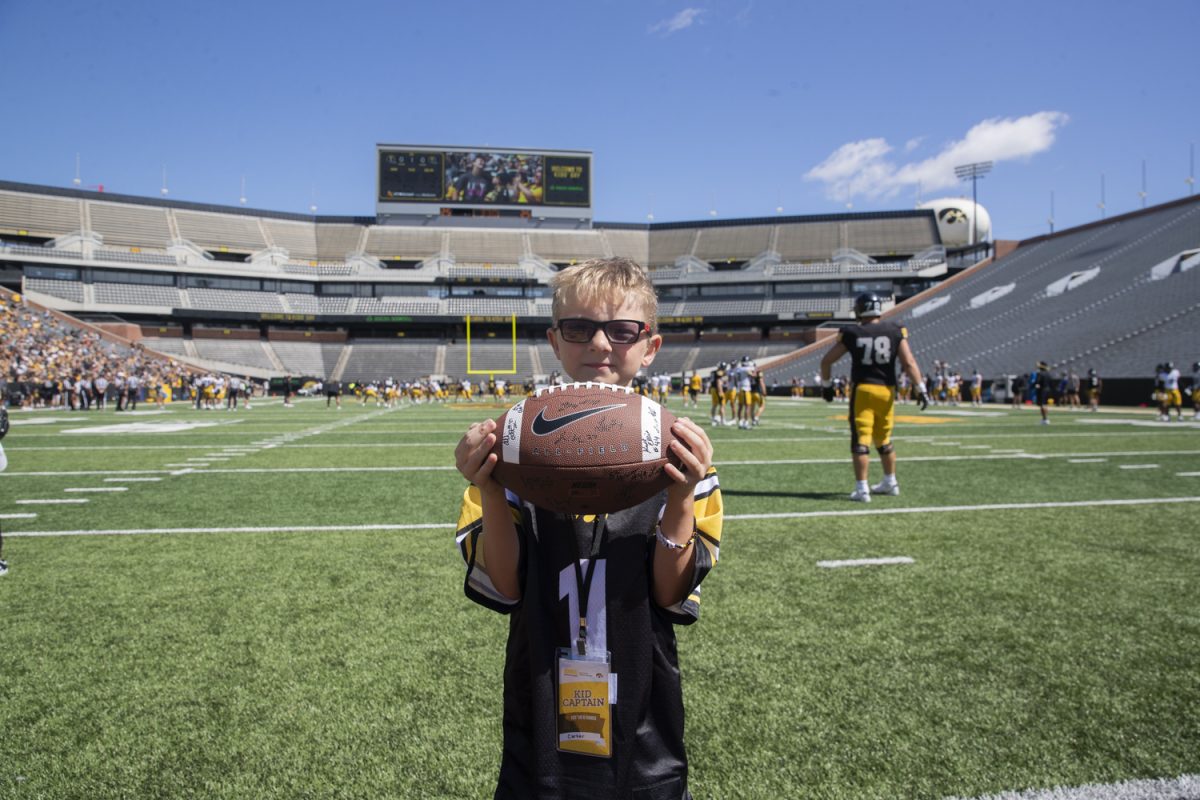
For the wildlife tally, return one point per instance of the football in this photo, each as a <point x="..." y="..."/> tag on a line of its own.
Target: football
<point x="584" y="448"/>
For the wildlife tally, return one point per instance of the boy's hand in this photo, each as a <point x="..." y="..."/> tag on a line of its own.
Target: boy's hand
<point x="694" y="450"/>
<point x="473" y="456"/>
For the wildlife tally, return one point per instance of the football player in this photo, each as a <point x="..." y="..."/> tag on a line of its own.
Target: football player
<point x="1195" y="389"/>
<point x="1172" y="398"/>
<point x="716" y="390"/>
<point x="1040" y="387"/>
<point x="875" y="347"/>
<point x="1094" y="384"/>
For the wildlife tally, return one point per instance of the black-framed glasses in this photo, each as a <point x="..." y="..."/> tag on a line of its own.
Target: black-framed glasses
<point x="619" y="331"/>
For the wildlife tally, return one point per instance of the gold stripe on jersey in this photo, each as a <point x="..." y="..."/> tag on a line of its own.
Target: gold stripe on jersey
<point x="709" y="509"/>
<point x="470" y="528"/>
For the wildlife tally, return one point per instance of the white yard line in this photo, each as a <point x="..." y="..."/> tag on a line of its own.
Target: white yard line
<point x="1087" y="460"/>
<point x="992" y="456"/>
<point x="864" y="512"/>
<point x="97" y="489"/>
<point x="53" y="501"/>
<point x="1024" y="432"/>
<point x="267" y="529"/>
<point x="865" y="562"/>
<point x="191" y="467"/>
<point x="1137" y="466"/>
<point x="131" y="480"/>
<point x="1185" y="786"/>
<point x="18" y="516"/>
<point x="401" y="526"/>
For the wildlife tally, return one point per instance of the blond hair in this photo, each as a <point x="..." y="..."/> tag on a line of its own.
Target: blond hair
<point x="601" y="279"/>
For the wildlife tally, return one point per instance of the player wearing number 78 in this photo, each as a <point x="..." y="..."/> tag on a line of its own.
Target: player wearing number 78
<point x="875" y="347"/>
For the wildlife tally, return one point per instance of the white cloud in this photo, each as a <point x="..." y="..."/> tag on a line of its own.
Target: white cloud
<point x="684" y="19"/>
<point x="863" y="168"/>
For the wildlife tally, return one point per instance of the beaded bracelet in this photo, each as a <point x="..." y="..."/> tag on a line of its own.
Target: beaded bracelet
<point x="667" y="543"/>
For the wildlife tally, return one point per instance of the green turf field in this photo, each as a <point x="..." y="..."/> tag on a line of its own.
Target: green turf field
<point x="273" y="607"/>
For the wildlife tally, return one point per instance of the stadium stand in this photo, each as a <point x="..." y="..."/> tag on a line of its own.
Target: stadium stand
<point x="137" y="294"/>
<point x="129" y="225"/>
<point x="632" y="244"/>
<point x="567" y="246"/>
<point x="299" y="239"/>
<point x="487" y="307"/>
<point x="485" y="272"/>
<point x="38" y="215"/>
<point x="231" y="300"/>
<point x="670" y="244"/>
<point x="313" y="359"/>
<point x="334" y="240"/>
<point x="396" y="242"/>
<point x="377" y="360"/>
<point x="167" y="345"/>
<point x="1098" y="295"/>
<point x="399" y="304"/>
<point x="1099" y="323"/>
<point x="52" y="361"/>
<point x="484" y="246"/>
<point x="733" y="243"/>
<point x="249" y="353"/>
<point x="66" y="290"/>
<point x="719" y="308"/>
<point x="220" y="231"/>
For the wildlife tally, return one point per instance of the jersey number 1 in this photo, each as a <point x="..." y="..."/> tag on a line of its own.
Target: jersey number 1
<point x="597" y="614"/>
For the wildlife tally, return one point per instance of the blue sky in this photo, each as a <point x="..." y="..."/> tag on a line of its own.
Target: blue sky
<point x="690" y="107"/>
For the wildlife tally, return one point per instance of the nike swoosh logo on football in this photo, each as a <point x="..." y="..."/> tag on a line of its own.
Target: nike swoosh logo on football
<point x="542" y="426"/>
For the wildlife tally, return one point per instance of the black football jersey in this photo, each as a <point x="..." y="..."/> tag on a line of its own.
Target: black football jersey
<point x="873" y="349"/>
<point x="648" y="754"/>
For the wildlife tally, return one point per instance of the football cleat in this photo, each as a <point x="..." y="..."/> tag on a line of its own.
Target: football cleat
<point x="3" y="567"/>
<point x="860" y="496"/>
<point x="883" y="487"/>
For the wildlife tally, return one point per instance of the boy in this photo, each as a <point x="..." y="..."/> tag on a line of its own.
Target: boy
<point x="634" y="574"/>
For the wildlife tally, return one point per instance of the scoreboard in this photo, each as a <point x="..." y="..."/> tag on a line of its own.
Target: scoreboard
<point x="542" y="182"/>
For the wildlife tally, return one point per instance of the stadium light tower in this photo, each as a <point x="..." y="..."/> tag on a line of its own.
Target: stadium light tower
<point x="1190" y="180"/>
<point x="242" y="196"/>
<point x="1142" y="193"/>
<point x="973" y="172"/>
<point x="1100" y="205"/>
<point x="1050" y="219"/>
<point x="77" y="181"/>
<point x="164" y="186"/>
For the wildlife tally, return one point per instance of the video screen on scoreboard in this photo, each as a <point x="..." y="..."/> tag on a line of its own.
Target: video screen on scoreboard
<point x="480" y="177"/>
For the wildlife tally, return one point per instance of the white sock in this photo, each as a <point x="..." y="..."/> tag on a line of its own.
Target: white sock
<point x="889" y="480"/>
<point x="862" y="486"/>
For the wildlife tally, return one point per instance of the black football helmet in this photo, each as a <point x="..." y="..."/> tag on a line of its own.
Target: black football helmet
<point x="868" y="304"/>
